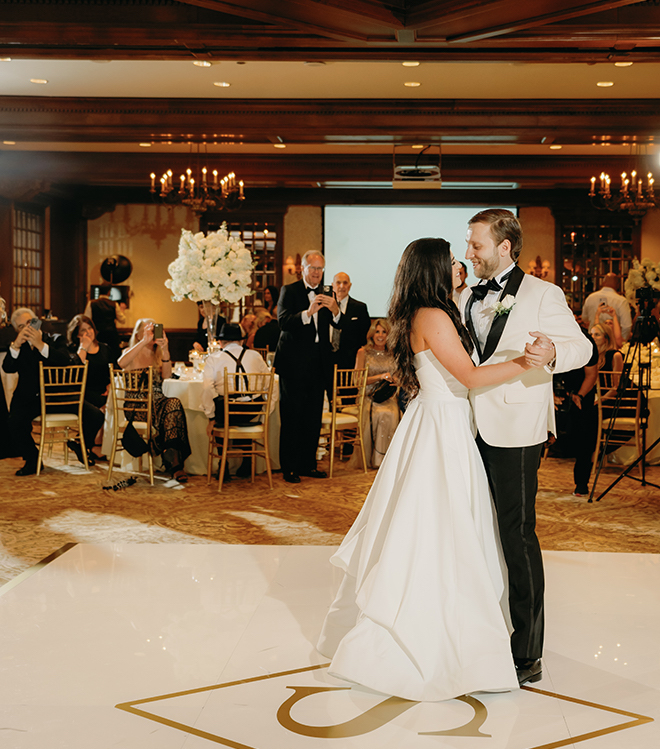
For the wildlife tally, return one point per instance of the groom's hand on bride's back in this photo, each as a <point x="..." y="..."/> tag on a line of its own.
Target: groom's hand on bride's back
<point x="541" y="352"/>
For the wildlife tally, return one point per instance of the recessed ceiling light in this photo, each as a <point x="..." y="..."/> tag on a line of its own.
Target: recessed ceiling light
<point x="5" y="59"/>
<point x="38" y="80"/>
<point x="555" y="148"/>
<point x="605" y="84"/>
<point x="622" y="64"/>
<point x="202" y="63"/>
<point x="279" y="145"/>
<point x="410" y="64"/>
<point x="144" y="145"/>
<point x="418" y="145"/>
<point x="314" y="63"/>
<point x="9" y="142"/>
<point x="412" y="84"/>
<point x="221" y="84"/>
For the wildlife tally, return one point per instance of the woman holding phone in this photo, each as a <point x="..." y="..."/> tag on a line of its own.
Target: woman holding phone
<point x="169" y="428"/>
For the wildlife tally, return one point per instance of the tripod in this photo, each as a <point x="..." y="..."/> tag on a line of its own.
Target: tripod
<point x="644" y="331"/>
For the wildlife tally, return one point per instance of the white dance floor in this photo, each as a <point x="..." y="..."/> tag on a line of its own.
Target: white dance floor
<point x="189" y="646"/>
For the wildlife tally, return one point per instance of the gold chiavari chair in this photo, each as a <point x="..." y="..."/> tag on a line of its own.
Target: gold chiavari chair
<point x="62" y="393"/>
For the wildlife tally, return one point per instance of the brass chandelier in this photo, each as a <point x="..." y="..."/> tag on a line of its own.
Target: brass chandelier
<point x="634" y="196"/>
<point x="198" y="189"/>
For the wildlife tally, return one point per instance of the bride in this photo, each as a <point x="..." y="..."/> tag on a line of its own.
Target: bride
<point x="422" y="610"/>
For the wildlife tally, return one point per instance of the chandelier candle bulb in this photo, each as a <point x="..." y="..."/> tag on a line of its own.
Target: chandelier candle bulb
<point x="593" y="187"/>
<point x="153" y="182"/>
<point x="183" y="182"/>
<point x="240" y="190"/>
<point x="204" y="176"/>
<point x="215" y="178"/>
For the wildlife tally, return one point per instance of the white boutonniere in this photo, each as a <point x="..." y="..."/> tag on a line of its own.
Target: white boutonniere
<point x="504" y="306"/>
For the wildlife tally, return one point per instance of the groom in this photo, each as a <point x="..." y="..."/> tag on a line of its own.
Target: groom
<point x="505" y="309"/>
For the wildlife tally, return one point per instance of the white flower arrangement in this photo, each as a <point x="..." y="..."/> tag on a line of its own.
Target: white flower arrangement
<point x="504" y="306"/>
<point x="644" y="273"/>
<point x="215" y="268"/>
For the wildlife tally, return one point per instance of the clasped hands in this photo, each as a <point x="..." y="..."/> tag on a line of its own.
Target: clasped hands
<point x="323" y="300"/>
<point x="541" y="352"/>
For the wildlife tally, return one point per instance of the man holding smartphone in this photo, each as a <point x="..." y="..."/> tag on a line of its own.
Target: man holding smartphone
<point x="306" y="310"/>
<point x="30" y="347"/>
<point x="608" y="296"/>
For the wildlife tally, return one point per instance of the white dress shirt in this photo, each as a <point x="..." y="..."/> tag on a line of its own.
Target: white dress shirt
<point x="214" y="372"/>
<point x="306" y="319"/>
<point x="618" y="303"/>
<point x="482" y="310"/>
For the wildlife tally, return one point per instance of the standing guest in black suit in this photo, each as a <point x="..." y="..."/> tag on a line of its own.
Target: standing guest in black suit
<point x="30" y="347"/>
<point x="303" y="361"/>
<point x="355" y="324"/>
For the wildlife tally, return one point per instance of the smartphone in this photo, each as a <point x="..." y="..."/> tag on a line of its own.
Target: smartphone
<point x="35" y="323"/>
<point x="327" y="290"/>
<point x="158" y="330"/>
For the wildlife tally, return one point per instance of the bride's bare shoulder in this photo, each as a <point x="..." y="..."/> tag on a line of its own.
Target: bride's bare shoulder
<point x="430" y="325"/>
<point x="431" y="318"/>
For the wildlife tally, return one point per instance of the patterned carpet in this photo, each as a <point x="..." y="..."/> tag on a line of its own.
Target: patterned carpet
<point x="67" y="505"/>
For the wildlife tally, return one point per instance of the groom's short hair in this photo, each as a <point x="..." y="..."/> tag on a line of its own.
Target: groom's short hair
<point x="503" y="225"/>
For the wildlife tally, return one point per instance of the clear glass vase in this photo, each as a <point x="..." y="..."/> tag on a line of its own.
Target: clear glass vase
<point x="211" y="314"/>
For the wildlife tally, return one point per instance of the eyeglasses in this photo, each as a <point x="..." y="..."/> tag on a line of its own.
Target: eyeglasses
<point x="317" y="268"/>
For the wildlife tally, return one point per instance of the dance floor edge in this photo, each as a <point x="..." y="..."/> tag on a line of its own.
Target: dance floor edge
<point x="168" y="646"/>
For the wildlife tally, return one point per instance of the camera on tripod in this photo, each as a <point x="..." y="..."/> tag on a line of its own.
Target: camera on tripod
<point x="646" y="325"/>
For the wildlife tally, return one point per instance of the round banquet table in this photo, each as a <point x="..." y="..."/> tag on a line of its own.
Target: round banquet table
<point x="189" y="392"/>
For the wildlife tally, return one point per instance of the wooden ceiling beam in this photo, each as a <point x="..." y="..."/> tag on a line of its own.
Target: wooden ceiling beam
<point x="295" y="15"/>
<point x="541" y="20"/>
<point x="89" y="120"/>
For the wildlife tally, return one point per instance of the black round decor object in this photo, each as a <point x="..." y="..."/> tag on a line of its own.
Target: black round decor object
<point x="116" y="269"/>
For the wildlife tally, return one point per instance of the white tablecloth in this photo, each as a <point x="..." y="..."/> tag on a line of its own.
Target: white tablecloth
<point x="189" y="392"/>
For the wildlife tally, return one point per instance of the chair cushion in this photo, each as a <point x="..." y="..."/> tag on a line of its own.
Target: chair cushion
<point x="343" y="419"/>
<point x="59" y="419"/>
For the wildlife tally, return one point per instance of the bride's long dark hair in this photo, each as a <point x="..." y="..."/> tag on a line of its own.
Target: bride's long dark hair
<point x="423" y="279"/>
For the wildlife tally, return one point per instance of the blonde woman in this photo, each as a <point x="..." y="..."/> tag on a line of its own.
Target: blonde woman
<point x="609" y="359"/>
<point x="170" y="431"/>
<point x="380" y="419"/>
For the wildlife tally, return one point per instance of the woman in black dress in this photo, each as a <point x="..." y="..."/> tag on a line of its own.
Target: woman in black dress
<point x="85" y="347"/>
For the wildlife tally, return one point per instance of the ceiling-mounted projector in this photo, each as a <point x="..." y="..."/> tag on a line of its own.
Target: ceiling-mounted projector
<point x="416" y="171"/>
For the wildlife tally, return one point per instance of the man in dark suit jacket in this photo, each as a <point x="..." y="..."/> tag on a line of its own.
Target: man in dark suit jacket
<point x="30" y="347"/>
<point x="303" y="361"/>
<point x="355" y="324"/>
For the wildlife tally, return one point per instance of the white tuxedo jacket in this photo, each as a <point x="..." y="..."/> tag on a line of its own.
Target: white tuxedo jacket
<point x="520" y="412"/>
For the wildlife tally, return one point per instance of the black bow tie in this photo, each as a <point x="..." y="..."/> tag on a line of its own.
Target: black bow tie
<point x="315" y="289"/>
<point x="480" y="290"/>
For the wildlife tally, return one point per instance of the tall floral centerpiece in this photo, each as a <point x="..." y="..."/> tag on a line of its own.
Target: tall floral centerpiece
<point x="211" y="269"/>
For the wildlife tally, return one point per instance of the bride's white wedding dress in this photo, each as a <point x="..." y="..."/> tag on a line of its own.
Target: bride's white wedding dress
<point x="420" y="611"/>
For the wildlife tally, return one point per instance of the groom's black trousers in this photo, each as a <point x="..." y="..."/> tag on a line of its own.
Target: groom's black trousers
<point x="512" y="475"/>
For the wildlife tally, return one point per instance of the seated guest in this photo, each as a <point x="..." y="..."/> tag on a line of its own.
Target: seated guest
<point x="271" y="295"/>
<point x="607" y="317"/>
<point x="169" y="427"/>
<point x="462" y="274"/>
<point x="234" y="357"/>
<point x="30" y="347"/>
<point x="380" y="419"/>
<point x="248" y="323"/>
<point x="609" y="360"/>
<point x="84" y="347"/>
<point x="106" y="313"/>
<point x="201" y="336"/>
<point x="267" y="330"/>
